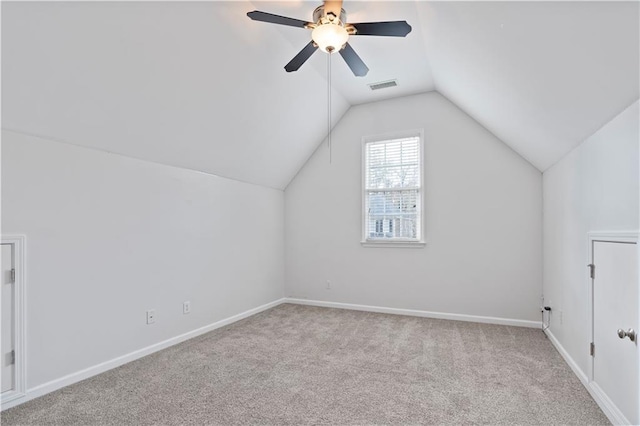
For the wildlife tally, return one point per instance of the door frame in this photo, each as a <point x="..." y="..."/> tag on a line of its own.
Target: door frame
<point x="19" y="258"/>
<point x="633" y="237"/>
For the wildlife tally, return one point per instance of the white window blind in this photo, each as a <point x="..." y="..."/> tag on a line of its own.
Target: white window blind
<point x="392" y="190"/>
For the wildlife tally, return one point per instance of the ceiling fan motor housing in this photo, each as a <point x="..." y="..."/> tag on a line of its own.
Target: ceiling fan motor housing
<point x="319" y="13"/>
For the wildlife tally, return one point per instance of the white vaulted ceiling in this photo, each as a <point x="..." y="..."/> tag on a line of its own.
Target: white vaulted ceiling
<point x="541" y="76"/>
<point x="199" y="85"/>
<point x="190" y="84"/>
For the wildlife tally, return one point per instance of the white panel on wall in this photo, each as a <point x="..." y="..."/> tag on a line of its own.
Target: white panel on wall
<point x="483" y="220"/>
<point x="596" y="187"/>
<point x="110" y="237"/>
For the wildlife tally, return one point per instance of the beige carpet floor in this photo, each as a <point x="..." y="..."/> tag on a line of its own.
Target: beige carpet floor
<point x="306" y="365"/>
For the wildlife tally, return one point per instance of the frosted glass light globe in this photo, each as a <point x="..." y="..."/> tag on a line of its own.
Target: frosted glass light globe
<point x="330" y="37"/>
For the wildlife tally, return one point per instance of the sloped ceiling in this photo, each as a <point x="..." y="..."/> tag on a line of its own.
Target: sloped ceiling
<point x="199" y="85"/>
<point x="541" y="76"/>
<point x="189" y="84"/>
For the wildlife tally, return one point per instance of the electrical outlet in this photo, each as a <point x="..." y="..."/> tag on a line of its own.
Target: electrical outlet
<point x="151" y="316"/>
<point x="186" y="307"/>
<point x="328" y="285"/>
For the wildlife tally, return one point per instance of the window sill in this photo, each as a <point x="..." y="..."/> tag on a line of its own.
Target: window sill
<point x="395" y="244"/>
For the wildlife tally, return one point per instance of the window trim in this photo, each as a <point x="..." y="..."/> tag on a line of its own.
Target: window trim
<point x="396" y="243"/>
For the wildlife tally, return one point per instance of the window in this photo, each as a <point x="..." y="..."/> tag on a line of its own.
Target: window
<point x="392" y="184"/>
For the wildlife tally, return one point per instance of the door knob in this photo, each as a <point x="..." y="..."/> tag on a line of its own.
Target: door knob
<point x="629" y="333"/>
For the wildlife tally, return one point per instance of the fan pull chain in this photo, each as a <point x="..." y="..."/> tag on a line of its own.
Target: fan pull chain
<point x="329" y="104"/>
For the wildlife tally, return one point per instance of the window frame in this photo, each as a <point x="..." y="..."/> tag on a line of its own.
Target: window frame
<point x="396" y="242"/>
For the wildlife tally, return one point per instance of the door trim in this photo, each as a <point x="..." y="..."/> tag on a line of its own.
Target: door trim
<point x="19" y="250"/>
<point x="629" y="237"/>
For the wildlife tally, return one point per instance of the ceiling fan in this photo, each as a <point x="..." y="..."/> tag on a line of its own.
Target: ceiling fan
<point x="330" y="33"/>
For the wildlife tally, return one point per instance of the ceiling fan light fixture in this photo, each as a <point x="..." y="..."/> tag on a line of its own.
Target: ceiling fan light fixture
<point x="330" y="37"/>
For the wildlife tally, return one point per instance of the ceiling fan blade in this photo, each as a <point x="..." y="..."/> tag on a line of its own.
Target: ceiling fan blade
<point x="391" y="29"/>
<point x="334" y="7"/>
<point x="353" y="60"/>
<point x="301" y="57"/>
<point x="256" y="15"/>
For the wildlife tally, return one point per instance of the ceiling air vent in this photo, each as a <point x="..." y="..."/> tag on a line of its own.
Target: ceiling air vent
<point x="383" y="84"/>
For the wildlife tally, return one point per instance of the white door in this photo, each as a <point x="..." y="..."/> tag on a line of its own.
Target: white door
<point x="7" y="295"/>
<point x="616" y="358"/>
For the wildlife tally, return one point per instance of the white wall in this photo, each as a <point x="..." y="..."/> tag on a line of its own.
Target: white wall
<point x="109" y="237"/>
<point x="483" y="206"/>
<point x="594" y="188"/>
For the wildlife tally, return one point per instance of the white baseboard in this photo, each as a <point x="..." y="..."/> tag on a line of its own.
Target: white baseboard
<point x="610" y="410"/>
<point x="567" y="358"/>
<point x="417" y="313"/>
<point x="116" y="362"/>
